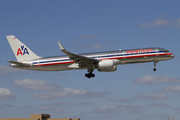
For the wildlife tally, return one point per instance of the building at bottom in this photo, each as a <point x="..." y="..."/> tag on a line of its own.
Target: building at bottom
<point x="39" y="117"/>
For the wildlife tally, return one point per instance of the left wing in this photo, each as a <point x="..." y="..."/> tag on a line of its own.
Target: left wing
<point x="78" y="58"/>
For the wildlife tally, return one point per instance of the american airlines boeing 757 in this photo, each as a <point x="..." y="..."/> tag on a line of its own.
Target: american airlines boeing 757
<point x="102" y="61"/>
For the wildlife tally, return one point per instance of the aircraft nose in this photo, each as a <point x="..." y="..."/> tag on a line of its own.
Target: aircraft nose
<point x="172" y="56"/>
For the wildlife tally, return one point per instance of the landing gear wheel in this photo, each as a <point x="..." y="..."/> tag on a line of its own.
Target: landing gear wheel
<point x="155" y="65"/>
<point x="93" y="75"/>
<point x="89" y="75"/>
<point x="86" y="75"/>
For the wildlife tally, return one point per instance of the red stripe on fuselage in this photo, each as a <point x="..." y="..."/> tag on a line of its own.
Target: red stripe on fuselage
<point x="56" y="63"/>
<point x="133" y="56"/>
<point x="122" y="57"/>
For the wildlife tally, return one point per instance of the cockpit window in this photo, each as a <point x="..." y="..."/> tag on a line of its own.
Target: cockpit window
<point x="166" y="51"/>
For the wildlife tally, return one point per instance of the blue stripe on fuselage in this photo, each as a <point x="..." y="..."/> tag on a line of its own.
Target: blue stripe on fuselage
<point x="107" y="56"/>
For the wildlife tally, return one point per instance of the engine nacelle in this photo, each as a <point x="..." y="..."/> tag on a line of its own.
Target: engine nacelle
<point x="106" y="66"/>
<point x="114" y="68"/>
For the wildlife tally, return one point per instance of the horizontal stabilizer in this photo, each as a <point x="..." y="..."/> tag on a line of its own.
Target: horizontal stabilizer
<point x="20" y="63"/>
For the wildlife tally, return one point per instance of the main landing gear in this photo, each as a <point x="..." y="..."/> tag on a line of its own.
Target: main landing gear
<point x="155" y="66"/>
<point x="90" y="70"/>
<point x="89" y="75"/>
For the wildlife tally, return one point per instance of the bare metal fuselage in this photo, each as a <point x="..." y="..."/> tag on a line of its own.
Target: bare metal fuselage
<point x="60" y="63"/>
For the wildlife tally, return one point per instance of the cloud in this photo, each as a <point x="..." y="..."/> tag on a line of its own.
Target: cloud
<point x="6" y="106"/>
<point x="172" y="89"/>
<point x="68" y="103"/>
<point x="156" y="79"/>
<point x="177" y="23"/>
<point x="66" y="92"/>
<point x="35" y="85"/>
<point x="92" y="94"/>
<point x="54" y="91"/>
<point x="7" y="69"/>
<point x="6" y="94"/>
<point x="49" y="109"/>
<point x="157" y="105"/>
<point x="113" y="100"/>
<point x="145" y="25"/>
<point x="160" y="22"/>
<point x="62" y="103"/>
<point x="156" y="115"/>
<point x="41" y="108"/>
<point x="25" y="107"/>
<point x="118" y="100"/>
<point x="130" y="108"/>
<point x="156" y="23"/>
<point x="152" y="96"/>
<point x="69" y="92"/>
<point x="105" y="109"/>
<point x="86" y="103"/>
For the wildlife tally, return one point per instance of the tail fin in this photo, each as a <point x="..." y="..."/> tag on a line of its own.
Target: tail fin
<point x="21" y="51"/>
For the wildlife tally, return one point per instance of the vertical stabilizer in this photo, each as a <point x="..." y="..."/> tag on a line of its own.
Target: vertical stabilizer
<point x="21" y="51"/>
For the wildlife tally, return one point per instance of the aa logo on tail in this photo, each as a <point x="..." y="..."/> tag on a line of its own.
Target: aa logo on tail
<point x="22" y="51"/>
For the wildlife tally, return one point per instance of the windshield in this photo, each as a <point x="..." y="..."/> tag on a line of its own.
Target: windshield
<point x="166" y="51"/>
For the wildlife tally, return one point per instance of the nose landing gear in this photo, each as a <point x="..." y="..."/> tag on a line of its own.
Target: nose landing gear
<point x="155" y="66"/>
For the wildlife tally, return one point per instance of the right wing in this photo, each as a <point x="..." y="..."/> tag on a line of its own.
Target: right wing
<point x="78" y="58"/>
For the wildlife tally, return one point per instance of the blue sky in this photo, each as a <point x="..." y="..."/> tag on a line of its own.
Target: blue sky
<point x="133" y="92"/>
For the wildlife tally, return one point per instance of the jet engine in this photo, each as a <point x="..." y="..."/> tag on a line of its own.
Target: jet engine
<point x="106" y="66"/>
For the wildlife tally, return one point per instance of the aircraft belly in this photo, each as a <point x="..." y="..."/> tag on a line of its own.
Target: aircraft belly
<point x="53" y="68"/>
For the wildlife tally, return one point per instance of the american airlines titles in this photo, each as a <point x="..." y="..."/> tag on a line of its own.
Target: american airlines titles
<point x="140" y="51"/>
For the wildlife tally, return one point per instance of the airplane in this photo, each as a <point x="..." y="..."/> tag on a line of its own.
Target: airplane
<point x="102" y="61"/>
